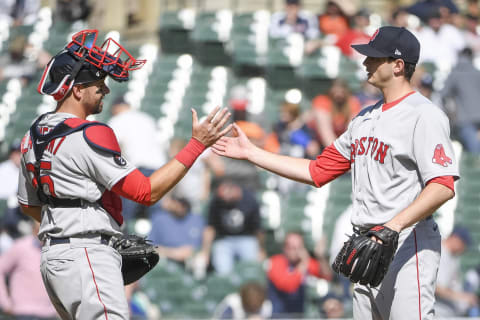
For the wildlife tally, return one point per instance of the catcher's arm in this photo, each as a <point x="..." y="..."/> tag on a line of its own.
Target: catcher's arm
<point x="432" y="197"/>
<point x="206" y="132"/>
<point x="148" y="190"/>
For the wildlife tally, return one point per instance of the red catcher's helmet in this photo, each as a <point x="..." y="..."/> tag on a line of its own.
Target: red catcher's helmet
<point x="82" y="61"/>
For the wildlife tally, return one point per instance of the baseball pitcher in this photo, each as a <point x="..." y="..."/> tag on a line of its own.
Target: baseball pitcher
<point x="403" y="169"/>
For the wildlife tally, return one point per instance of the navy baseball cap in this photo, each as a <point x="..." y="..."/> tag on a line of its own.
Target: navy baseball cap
<point x="393" y="42"/>
<point x="463" y="233"/>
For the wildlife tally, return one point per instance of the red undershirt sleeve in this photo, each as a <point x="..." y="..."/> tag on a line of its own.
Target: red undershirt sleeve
<point x="135" y="186"/>
<point x="329" y="165"/>
<point x="447" y="181"/>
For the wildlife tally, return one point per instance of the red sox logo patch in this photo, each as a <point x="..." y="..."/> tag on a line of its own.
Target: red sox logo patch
<point x="374" y="35"/>
<point x="439" y="156"/>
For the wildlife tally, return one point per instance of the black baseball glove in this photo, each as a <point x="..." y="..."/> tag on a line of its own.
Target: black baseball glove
<point x="138" y="256"/>
<point x="365" y="260"/>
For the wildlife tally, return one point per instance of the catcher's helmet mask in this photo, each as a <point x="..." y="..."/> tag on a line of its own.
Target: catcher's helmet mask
<point x="81" y="62"/>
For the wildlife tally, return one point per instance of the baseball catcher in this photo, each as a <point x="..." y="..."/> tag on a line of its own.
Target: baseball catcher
<point x="73" y="174"/>
<point x="365" y="260"/>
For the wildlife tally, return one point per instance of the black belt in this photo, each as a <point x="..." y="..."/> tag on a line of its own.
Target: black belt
<point x="104" y="239"/>
<point x="67" y="203"/>
<point x="64" y="203"/>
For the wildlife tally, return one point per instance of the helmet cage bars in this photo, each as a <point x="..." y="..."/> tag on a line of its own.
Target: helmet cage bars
<point x="111" y="56"/>
<point x="89" y="63"/>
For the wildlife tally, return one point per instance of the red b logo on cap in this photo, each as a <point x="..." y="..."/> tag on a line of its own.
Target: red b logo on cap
<point x="374" y="35"/>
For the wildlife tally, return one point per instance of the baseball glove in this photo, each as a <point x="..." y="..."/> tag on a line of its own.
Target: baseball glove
<point x="138" y="256"/>
<point x="364" y="260"/>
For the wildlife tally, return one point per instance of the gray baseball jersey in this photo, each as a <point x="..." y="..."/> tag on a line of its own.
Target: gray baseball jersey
<point x="393" y="154"/>
<point x="76" y="170"/>
<point x="394" y="151"/>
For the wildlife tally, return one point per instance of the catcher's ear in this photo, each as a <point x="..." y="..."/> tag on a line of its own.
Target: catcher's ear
<point x="77" y="91"/>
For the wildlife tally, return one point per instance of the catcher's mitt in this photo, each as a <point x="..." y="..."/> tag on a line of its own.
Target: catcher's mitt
<point x="365" y="260"/>
<point x="138" y="256"/>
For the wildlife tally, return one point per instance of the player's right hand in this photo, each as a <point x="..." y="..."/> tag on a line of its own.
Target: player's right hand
<point x="210" y="130"/>
<point x="236" y="147"/>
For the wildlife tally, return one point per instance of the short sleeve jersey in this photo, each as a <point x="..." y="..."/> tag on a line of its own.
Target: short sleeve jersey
<point x="394" y="152"/>
<point x="74" y="170"/>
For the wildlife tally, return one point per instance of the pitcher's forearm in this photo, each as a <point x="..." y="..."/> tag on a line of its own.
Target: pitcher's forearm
<point x="289" y="167"/>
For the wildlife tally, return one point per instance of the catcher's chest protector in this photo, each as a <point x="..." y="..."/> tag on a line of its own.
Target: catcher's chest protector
<point x="41" y="141"/>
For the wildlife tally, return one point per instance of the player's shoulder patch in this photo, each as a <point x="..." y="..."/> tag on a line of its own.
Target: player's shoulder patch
<point x="100" y="136"/>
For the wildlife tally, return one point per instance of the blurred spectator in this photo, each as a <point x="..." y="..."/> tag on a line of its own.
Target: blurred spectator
<point x="15" y="64"/>
<point x="244" y="173"/>
<point x="462" y="86"/>
<point x="25" y="296"/>
<point x="287" y="273"/>
<point x="9" y="170"/>
<point x="341" y="232"/>
<point x="441" y="42"/>
<point x="293" y="20"/>
<point x="249" y="303"/>
<point x="72" y="10"/>
<point x="472" y="37"/>
<point x="332" y="112"/>
<point x="19" y="12"/>
<point x="334" y="20"/>
<point x="473" y="7"/>
<point x="136" y="133"/>
<point x="368" y="94"/>
<point x="176" y="230"/>
<point x="355" y="35"/>
<point x="291" y="136"/>
<point x="331" y="307"/>
<point x="141" y="308"/>
<point x="426" y="85"/>
<point x="472" y="285"/>
<point x="424" y="8"/>
<point x="14" y="222"/>
<point x="233" y="231"/>
<point x="399" y="17"/>
<point x="451" y="299"/>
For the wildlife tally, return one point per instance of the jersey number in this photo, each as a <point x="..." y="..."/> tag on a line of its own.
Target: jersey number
<point x="46" y="182"/>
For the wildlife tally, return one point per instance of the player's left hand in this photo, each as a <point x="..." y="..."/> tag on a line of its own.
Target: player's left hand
<point x="365" y="259"/>
<point x="210" y="130"/>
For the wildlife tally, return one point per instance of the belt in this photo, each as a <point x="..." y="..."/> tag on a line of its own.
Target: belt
<point x="104" y="239"/>
<point x="68" y="203"/>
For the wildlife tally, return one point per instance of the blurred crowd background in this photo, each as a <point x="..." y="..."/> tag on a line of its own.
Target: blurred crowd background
<point x="235" y="241"/>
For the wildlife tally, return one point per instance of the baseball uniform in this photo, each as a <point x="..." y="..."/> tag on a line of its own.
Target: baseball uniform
<point x="394" y="150"/>
<point x="82" y="274"/>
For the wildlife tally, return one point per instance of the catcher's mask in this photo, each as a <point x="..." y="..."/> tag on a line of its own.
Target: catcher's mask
<point x="82" y="61"/>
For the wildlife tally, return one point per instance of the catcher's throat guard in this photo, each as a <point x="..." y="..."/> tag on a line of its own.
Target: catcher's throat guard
<point x="83" y="61"/>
